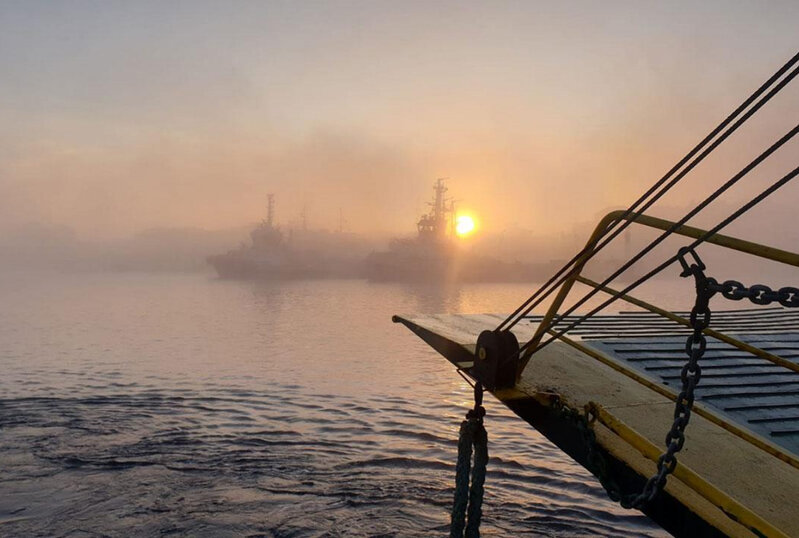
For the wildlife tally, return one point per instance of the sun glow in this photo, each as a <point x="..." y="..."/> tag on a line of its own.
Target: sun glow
<point x="464" y="225"/>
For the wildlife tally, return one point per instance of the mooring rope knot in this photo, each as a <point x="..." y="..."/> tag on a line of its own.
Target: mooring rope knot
<point x="473" y="439"/>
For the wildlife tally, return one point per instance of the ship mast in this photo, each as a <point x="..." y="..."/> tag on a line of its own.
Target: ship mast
<point x="434" y="225"/>
<point x="439" y="210"/>
<point x="270" y="209"/>
<point x="452" y="222"/>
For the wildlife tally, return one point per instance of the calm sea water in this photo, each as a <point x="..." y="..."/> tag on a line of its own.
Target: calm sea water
<point x="179" y="404"/>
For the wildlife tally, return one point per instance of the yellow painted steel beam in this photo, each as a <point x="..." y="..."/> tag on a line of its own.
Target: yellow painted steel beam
<point x="708" y="331"/>
<point x="741" y="245"/>
<point x="734" y="510"/>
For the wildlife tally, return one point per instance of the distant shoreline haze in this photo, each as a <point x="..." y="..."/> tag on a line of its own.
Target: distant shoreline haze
<point x="58" y="248"/>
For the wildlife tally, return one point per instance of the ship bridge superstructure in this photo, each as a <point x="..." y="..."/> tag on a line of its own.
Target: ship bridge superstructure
<point x="437" y="224"/>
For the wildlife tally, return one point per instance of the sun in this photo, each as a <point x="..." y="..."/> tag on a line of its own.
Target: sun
<point x="464" y="225"/>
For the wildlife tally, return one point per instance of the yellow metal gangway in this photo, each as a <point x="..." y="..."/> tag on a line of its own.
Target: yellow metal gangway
<point x="644" y="370"/>
<point x="597" y="412"/>
<point x="543" y="389"/>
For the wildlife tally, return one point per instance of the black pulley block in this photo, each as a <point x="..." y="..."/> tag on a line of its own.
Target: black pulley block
<point x="496" y="359"/>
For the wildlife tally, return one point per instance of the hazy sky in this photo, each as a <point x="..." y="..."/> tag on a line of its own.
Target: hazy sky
<point x="118" y="116"/>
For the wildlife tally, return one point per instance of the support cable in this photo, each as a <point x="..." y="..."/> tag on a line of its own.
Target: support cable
<point x="592" y="248"/>
<point x="713" y="196"/>
<point x="743" y="209"/>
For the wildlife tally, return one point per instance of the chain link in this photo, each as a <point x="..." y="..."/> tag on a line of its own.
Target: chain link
<point x="758" y="293"/>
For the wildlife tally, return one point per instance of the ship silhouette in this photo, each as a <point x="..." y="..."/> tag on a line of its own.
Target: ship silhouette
<point x="271" y="255"/>
<point x="436" y="254"/>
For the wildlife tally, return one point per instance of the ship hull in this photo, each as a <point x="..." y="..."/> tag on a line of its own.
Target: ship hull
<point x="232" y="267"/>
<point x="409" y="267"/>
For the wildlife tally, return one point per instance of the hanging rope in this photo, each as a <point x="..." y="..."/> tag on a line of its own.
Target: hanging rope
<point x="609" y="234"/>
<point x="467" y="508"/>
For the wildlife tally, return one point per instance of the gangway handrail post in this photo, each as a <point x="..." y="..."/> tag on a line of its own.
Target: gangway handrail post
<point x="566" y="287"/>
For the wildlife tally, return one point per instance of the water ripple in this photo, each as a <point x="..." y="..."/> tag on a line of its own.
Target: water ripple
<point x="208" y="415"/>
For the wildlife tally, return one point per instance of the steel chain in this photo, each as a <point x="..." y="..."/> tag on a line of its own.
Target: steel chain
<point x="595" y="461"/>
<point x="759" y="294"/>
<point x="691" y="373"/>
